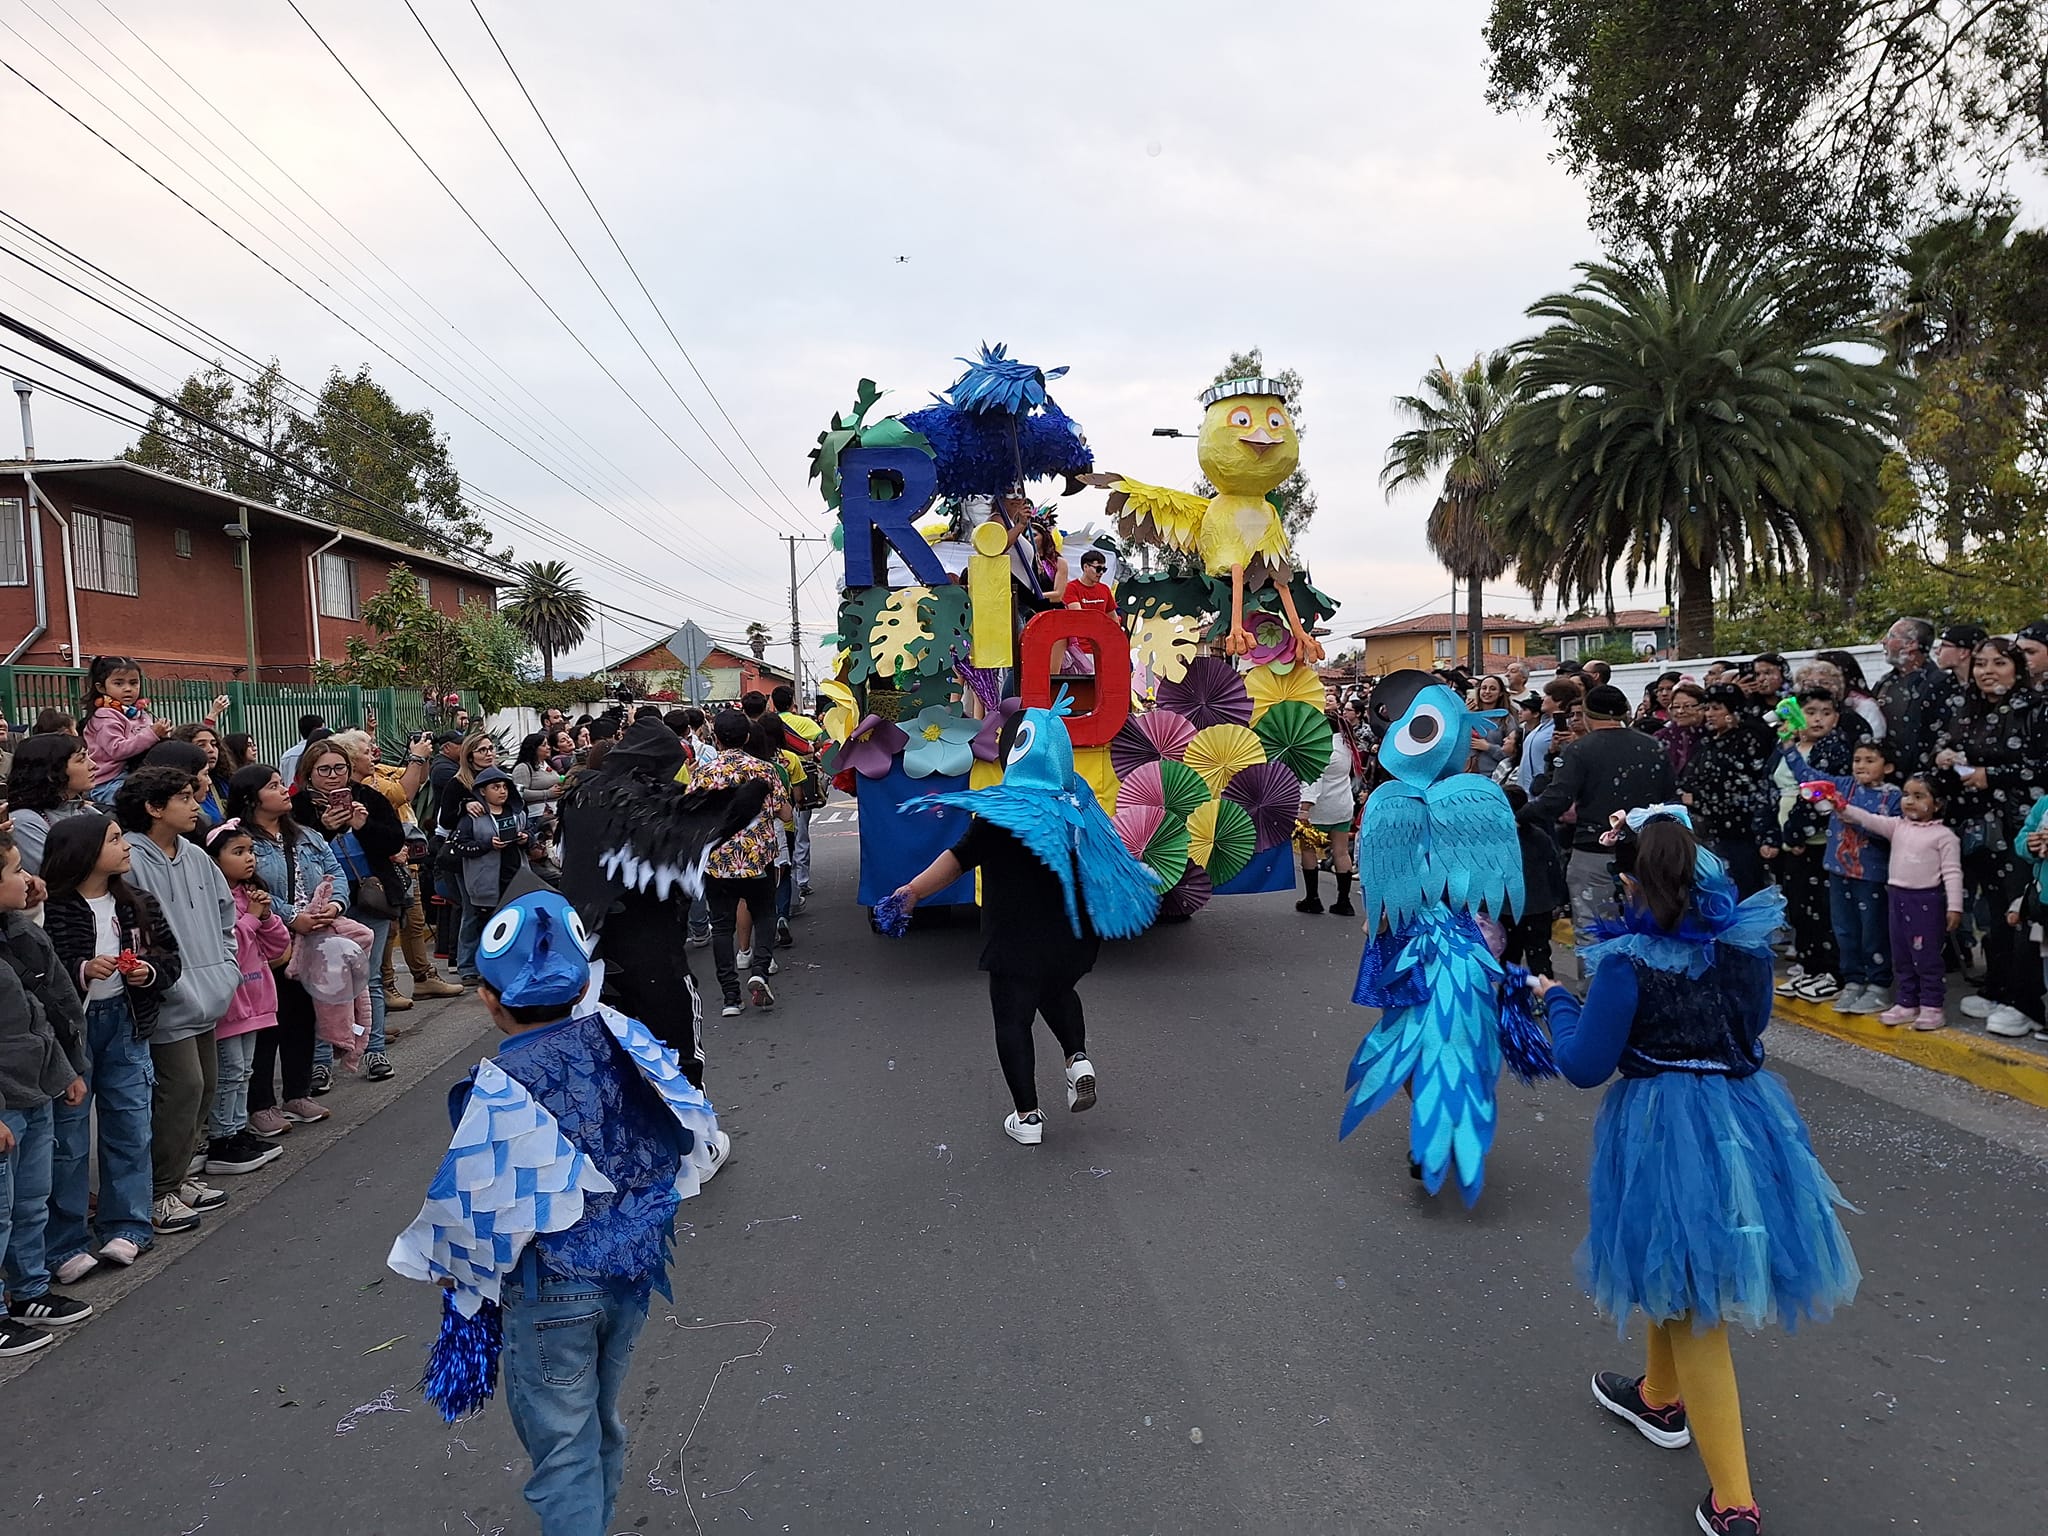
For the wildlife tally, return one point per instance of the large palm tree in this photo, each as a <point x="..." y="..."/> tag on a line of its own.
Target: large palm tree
<point x="1683" y="421"/>
<point x="1458" y="418"/>
<point x="550" y="609"/>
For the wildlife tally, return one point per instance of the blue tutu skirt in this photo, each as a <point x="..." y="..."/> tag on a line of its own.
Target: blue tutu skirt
<point x="1707" y="1200"/>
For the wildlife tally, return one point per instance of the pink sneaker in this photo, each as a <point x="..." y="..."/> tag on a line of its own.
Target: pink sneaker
<point x="1898" y="1014"/>
<point x="1931" y="1018"/>
<point x="268" y="1123"/>
<point x="304" y="1111"/>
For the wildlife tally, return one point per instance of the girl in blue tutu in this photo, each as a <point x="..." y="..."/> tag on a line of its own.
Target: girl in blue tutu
<point x="1708" y="1206"/>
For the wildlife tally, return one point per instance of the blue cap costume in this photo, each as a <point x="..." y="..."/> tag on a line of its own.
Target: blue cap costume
<point x="577" y="1140"/>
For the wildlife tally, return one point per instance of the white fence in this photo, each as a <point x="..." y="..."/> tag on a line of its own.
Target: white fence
<point x="1633" y="677"/>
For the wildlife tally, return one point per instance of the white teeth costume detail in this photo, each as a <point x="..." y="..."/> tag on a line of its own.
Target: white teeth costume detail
<point x="637" y="874"/>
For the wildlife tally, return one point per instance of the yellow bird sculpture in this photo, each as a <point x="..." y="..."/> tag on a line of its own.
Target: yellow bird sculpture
<point x="1247" y="447"/>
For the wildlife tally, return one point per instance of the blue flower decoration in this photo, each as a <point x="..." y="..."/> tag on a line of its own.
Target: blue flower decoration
<point x="941" y="743"/>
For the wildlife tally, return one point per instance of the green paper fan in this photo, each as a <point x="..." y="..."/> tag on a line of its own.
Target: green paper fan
<point x="1297" y="736"/>
<point x="1182" y="790"/>
<point x="1221" y="837"/>
<point x="1166" y="855"/>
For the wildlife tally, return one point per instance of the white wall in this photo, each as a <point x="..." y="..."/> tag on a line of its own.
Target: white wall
<point x="1632" y="677"/>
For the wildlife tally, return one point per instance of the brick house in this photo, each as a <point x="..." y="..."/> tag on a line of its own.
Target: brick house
<point x="729" y="673"/>
<point x="149" y="571"/>
<point x="1439" y="640"/>
<point x="1645" y="631"/>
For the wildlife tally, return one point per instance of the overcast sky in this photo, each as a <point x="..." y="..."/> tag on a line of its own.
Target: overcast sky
<point x="1132" y="189"/>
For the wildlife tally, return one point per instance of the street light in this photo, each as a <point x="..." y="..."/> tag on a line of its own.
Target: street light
<point x="1172" y="432"/>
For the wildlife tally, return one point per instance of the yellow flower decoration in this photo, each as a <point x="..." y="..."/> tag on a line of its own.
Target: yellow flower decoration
<point x="1269" y="687"/>
<point x="1219" y="751"/>
<point x="844" y="714"/>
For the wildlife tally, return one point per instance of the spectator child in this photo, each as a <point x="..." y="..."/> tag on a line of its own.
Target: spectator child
<point x="1857" y="870"/>
<point x="119" y="952"/>
<point x="333" y="965"/>
<point x="491" y="845"/>
<point x="42" y="1064"/>
<point x="118" y="725"/>
<point x="1795" y="844"/>
<point x="47" y="782"/>
<point x="1924" y="880"/>
<point x="261" y="942"/>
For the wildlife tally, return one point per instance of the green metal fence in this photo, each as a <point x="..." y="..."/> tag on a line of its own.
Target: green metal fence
<point x="268" y="711"/>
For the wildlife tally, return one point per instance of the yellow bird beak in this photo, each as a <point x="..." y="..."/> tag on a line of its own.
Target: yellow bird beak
<point x="1260" y="441"/>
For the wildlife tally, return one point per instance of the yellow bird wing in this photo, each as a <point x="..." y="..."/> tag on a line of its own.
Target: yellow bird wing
<point x="1157" y="514"/>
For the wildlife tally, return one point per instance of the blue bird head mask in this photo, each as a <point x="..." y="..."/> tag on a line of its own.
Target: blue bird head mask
<point x="1040" y="754"/>
<point x="534" y="950"/>
<point x="1425" y="729"/>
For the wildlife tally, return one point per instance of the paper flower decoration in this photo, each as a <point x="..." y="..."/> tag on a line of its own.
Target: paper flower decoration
<point x="844" y="715"/>
<point x="991" y="729"/>
<point x="1209" y="693"/>
<point x="1272" y="641"/>
<point x="1297" y="736"/>
<point x="1271" y="796"/>
<point x="871" y="750"/>
<point x="941" y="742"/>
<point x="1190" y="895"/>
<point x="1156" y="840"/>
<point x="1269" y="687"/>
<point x="1174" y="787"/>
<point x="1222" y="839"/>
<point x="1219" y="751"/>
<point x="1146" y="737"/>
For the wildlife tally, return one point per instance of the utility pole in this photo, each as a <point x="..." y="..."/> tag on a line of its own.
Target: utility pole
<point x="796" y="627"/>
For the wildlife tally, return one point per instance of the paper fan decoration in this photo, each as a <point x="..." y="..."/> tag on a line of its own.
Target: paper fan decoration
<point x="1190" y="895"/>
<point x="1174" y="787"/>
<point x="1298" y="736"/>
<point x="1209" y="693"/>
<point x="1135" y="824"/>
<point x="1267" y="687"/>
<point x="1219" y="751"/>
<point x="1222" y="839"/>
<point x="1147" y="737"/>
<point x="1156" y="840"/>
<point x="1271" y="796"/>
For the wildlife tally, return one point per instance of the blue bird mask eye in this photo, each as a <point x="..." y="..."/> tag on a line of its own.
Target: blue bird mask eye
<point x="1429" y="739"/>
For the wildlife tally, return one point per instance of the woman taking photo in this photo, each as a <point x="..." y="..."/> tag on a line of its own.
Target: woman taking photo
<point x="534" y="775"/>
<point x="291" y="862"/>
<point x="363" y="831"/>
<point x="48" y="782"/>
<point x="1708" y="1206"/>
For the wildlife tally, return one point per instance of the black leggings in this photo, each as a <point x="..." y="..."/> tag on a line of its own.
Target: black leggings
<point x="2012" y="966"/>
<point x="1016" y="998"/>
<point x="291" y="1043"/>
<point x="647" y="976"/>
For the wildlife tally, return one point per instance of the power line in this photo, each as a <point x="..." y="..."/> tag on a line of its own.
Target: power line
<point x="660" y="314"/>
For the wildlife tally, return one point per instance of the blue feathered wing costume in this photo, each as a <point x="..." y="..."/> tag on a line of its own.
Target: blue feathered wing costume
<point x="1051" y="810"/>
<point x="1436" y="846"/>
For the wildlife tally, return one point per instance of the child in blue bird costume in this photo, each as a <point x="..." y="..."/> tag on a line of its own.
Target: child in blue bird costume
<point x="1707" y="1205"/>
<point x="1436" y="847"/>
<point x="552" y="1217"/>
<point x="1056" y="880"/>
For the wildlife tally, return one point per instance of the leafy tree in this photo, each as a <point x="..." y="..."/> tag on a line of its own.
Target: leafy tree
<point x="177" y="445"/>
<point x="1684" y="421"/>
<point x="1777" y="125"/>
<point x="1457" y="433"/>
<point x="550" y="610"/>
<point x="415" y="645"/>
<point x="1783" y="614"/>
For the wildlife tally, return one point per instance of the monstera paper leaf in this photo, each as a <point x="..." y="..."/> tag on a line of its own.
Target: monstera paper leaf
<point x="897" y="641"/>
<point x="852" y="430"/>
<point x="1162" y="645"/>
<point x="951" y="628"/>
<point x="858" y="611"/>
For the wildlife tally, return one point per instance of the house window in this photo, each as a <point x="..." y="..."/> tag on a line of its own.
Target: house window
<point x="426" y="590"/>
<point x="104" y="550"/>
<point x="1443" y="648"/>
<point x="13" y="545"/>
<point x="1643" y="640"/>
<point x="181" y="539"/>
<point x="1567" y="647"/>
<point x="1496" y="645"/>
<point x="338" y="588"/>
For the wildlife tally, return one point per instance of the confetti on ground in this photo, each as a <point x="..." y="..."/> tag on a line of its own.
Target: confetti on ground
<point x="384" y="1402"/>
<point x="376" y="1349"/>
<point x="755" y="1353"/>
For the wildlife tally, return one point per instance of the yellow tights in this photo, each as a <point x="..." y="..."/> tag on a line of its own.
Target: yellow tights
<point x="1697" y="1369"/>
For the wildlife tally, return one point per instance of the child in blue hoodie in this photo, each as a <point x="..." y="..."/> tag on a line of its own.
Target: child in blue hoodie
<point x="1857" y="866"/>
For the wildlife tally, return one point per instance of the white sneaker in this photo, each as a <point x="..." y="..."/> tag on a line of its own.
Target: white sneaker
<point x="197" y="1165"/>
<point x="202" y="1197"/>
<point x="1080" y="1084"/>
<point x="2008" y="1021"/>
<point x="715" y="1155"/>
<point x="1818" y="988"/>
<point x="1789" y="987"/>
<point x="743" y="958"/>
<point x="1847" y="1000"/>
<point x="121" y="1250"/>
<point x="1028" y="1129"/>
<point x="1871" y="1000"/>
<point x="1977" y="1006"/>
<point x="731" y="1011"/>
<point x="75" y="1269"/>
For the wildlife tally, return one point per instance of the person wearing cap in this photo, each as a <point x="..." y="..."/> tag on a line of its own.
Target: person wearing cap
<point x="491" y="844"/>
<point x="1913" y="695"/>
<point x="1727" y="783"/>
<point x="2033" y="644"/>
<point x="551" y="1220"/>
<point x="1610" y="768"/>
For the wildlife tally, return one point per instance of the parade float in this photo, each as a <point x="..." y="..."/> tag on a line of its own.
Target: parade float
<point x="1193" y="703"/>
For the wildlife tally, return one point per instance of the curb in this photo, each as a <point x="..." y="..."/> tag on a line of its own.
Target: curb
<point x="1985" y="1061"/>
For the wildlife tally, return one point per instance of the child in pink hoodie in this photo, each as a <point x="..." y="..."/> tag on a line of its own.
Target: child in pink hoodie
<point x="118" y="725"/>
<point x="261" y="940"/>
<point x="1924" y="886"/>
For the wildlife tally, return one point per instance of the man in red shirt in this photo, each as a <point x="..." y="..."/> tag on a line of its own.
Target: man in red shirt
<point x="1091" y="592"/>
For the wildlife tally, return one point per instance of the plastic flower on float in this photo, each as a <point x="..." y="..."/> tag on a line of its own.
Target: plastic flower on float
<point x="871" y="750"/>
<point x="941" y="743"/>
<point x="986" y="738"/>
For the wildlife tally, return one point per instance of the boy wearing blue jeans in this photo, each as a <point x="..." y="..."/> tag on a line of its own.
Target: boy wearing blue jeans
<point x="1858" y="865"/>
<point x="42" y="1059"/>
<point x="552" y="1218"/>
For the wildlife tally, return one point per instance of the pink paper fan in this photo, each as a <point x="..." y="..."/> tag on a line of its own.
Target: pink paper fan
<point x="1210" y="693"/>
<point x="1135" y="824"/>
<point x="1146" y="738"/>
<point x="1271" y="796"/>
<point x="1189" y="895"/>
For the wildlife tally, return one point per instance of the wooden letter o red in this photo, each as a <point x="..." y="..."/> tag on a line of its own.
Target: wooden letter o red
<point x="1111" y="682"/>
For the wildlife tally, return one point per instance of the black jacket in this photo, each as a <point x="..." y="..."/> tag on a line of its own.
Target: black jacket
<point x="381" y="836"/>
<point x="1729" y="779"/>
<point x="1600" y="773"/>
<point x="42" y="1023"/>
<point x="2008" y="738"/>
<point x="68" y="921"/>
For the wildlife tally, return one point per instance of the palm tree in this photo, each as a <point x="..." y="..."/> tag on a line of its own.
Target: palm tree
<point x="549" y="609"/>
<point x="758" y="636"/>
<point x="1457" y="427"/>
<point x="1683" y="420"/>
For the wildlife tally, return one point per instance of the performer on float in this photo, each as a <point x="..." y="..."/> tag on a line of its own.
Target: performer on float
<point x="1436" y="847"/>
<point x="1708" y="1206"/>
<point x="1056" y="880"/>
<point x="552" y="1217"/>
<point x="634" y="846"/>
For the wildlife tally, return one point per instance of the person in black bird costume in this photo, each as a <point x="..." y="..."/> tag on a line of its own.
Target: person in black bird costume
<point x="634" y="844"/>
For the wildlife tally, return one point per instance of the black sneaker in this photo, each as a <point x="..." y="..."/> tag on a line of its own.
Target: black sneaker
<point x="377" y="1067"/>
<point x="1622" y="1396"/>
<point x="323" y="1079"/>
<point x="1742" y="1521"/>
<point x="1342" y="907"/>
<point x="239" y="1153"/>
<point x="16" y="1339"/>
<point x="1311" y="904"/>
<point x="783" y="937"/>
<point x="49" y="1310"/>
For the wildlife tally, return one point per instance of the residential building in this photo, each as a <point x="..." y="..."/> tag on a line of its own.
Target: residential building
<point x="728" y="674"/>
<point x="118" y="559"/>
<point x="1647" y="632"/>
<point x="1440" y="640"/>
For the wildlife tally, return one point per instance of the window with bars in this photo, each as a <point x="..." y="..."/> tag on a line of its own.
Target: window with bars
<point x="103" y="549"/>
<point x="13" y="545"/>
<point x="338" y="588"/>
<point x="181" y="541"/>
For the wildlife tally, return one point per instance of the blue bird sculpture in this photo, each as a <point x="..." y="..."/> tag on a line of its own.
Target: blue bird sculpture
<point x="1435" y="848"/>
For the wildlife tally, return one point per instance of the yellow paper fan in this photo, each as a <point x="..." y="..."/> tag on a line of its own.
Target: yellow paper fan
<point x="1268" y="688"/>
<point x="1202" y="832"/>
<point x="1219" y="751"/>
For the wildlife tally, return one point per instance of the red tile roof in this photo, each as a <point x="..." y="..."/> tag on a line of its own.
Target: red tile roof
<point x="1441" y="623"/>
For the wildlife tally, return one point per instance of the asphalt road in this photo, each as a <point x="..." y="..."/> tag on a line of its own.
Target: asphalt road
<point x="890" y="1318"/>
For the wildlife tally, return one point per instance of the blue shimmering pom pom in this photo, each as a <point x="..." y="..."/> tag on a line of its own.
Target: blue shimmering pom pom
<point x="1383" y="981"/>
<point x="891" y="916"/>
<point x="1523" y="1044"/>
<point x="462" y="1367"/>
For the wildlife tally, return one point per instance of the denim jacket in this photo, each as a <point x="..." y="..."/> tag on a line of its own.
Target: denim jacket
<point x="311" y="859"/>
